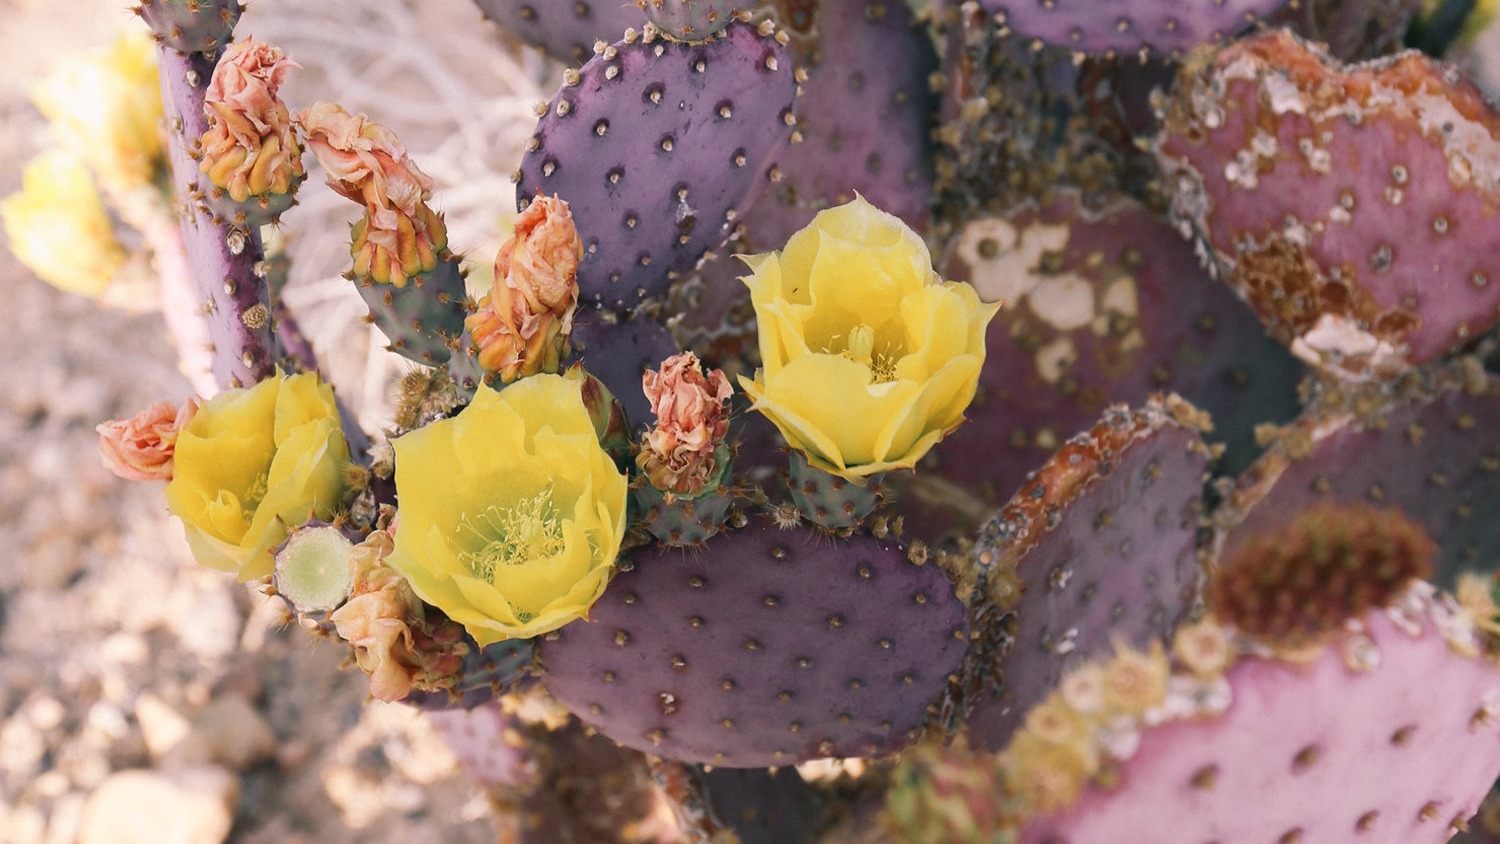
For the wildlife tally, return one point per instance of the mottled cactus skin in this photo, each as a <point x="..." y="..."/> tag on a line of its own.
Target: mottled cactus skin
<point x="1100" y="544"/>
<point x="1306" y="752"/>
<point x="1103" y="305"/>
<point x="191" y="26"/>
<point x="1354" y="207"/>
<point x="1428" y="446"/>
<point x="1128" y="26"/>
<point x="423" y="319"/>
<point x="657" y="146"/>
<point x="768" y="647"/>
<point x="227" y="262"/>
<point x="565" y="30"/>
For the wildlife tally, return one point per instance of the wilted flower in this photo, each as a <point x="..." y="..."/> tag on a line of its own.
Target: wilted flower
<point x="523" y="323"/>
<point x="140" y="448"/>
<point x="253" y="462"/>
<point x="511" y="512"/>
<point x="399" y="237"/>
<point x="107" y="108"/>
<point x="679" y="454"/>
<point x="386" y="624"/>
<point x="869" y="358"/>
<point x="250" y="148"/>
<point x="58" y="227"/>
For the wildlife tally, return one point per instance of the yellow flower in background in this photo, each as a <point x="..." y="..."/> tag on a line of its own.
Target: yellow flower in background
<point x="253" y="463"/>
<point x="107" y="108"/>
<point x="58" y="227"/>
<point x="511" y="514"/>
<point x="869" y="358"/>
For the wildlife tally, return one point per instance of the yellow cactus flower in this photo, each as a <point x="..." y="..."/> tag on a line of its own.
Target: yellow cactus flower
<point x="869" y="358"/>
<point x="253" y="463"/>
<point x="511" y="513"/>
<point x="57" y="226"/>
<point x="107" y="108"/>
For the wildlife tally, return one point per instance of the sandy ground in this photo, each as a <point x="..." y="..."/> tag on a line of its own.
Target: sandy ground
<point x="137" y="690"/>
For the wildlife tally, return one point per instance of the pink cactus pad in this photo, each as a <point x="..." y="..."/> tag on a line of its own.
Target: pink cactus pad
<point x="1394" y="751"/>
<point x="1355" y="207"/>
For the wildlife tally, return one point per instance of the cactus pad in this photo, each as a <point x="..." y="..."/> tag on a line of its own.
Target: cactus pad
<point x="566" y="31"/>
<point x="1128" y="26"/>
<point x="767" y="648"/>
<point x="1099" y="545"/>
<point x="1103" y="306"/>
<point x="1428" y="446"/>
<point x="657" y="146"/>
<point x="1354" y="207"/>
<point x="617" y="350"/>
<point x="1388" y="735"/>
<point x="191" y="26"/>
<point x="691" y="20"/>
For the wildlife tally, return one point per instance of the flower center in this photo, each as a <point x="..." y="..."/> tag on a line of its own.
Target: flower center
<point x="510" y="536"/>
<point x="255" y="494"/>
<point x="861" y="349"/>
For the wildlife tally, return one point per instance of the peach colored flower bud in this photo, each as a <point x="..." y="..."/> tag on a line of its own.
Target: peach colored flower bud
<point x="522" y="325"/>
<point x="387" y="625"/>
<point x="250" y="148"/>
<point x="679" y="454"/>
<point x="140" y="448"/>
<point x="400" y="237"/>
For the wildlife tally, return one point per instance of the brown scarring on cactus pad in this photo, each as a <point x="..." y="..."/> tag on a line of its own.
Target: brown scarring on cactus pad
<point x="1333" y="563"/>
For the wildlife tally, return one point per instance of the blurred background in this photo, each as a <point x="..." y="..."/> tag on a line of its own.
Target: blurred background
<point x="143" y="698"/>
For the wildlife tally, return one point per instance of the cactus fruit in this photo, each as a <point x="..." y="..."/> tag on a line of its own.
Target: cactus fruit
<point x="1426" y="445"/>
<point x="484" y="675"/>
<point x="768" y="648"/>
<point x="1105" y="305"/>
<point x="1301" y="747"/>
<point x="830" y="501"/>
<point x="1352" y="206"/>
<point x="707" y="117"/>
<point x="191" y="26"/>
<point x="424" y="319"/>
<point x="1099" y="546"/>
<point x="1124" y="26"/>
<point x="566" y="31"/>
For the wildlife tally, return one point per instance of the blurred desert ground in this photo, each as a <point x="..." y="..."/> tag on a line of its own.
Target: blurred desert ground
<point x="143" y="698"/>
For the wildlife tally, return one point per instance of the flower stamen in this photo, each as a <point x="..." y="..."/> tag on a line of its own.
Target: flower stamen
<point x="511" y="536"/>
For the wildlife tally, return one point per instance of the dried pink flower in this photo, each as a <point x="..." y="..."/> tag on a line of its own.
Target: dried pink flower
<point x="523" y="324"/>
<point x="250" y="148"/>
<point x="385" y="621"/>
<point x="400" y="236"/>
<point x="140" y="448"/>
<point x="679" y="454"/>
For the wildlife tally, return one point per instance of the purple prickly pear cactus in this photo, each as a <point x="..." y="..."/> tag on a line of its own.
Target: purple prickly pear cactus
<point x="1128" y="26"/>
<point x="1351" y="29"/>
<point x="768" y="648"/>
<point x="691" y="20"/>
<point x="227" y="262"/>
<point x="487" y="673"/>
<point x="191" y="26"/>
<point x="617" y="350"/>
<point x="657" y="147"/>
<point x="566" y="30"/>
<point x="1305" y="750"/>
<point x="1099" y="545"/>
<point x="1354" y="207"/>
<point x="1103" y="305"/>
<point x="1428" y="446"/>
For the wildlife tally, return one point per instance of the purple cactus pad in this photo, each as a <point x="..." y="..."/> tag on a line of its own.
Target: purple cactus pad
<point x="565" y="30"/>
<point x="657" y="146"/>
<point x="1128" y="26"/>
<point x="768" y="647"/>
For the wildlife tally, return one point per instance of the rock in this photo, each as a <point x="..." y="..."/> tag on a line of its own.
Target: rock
<point x="192" y="805"/>
<point x="229" y="731"/>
